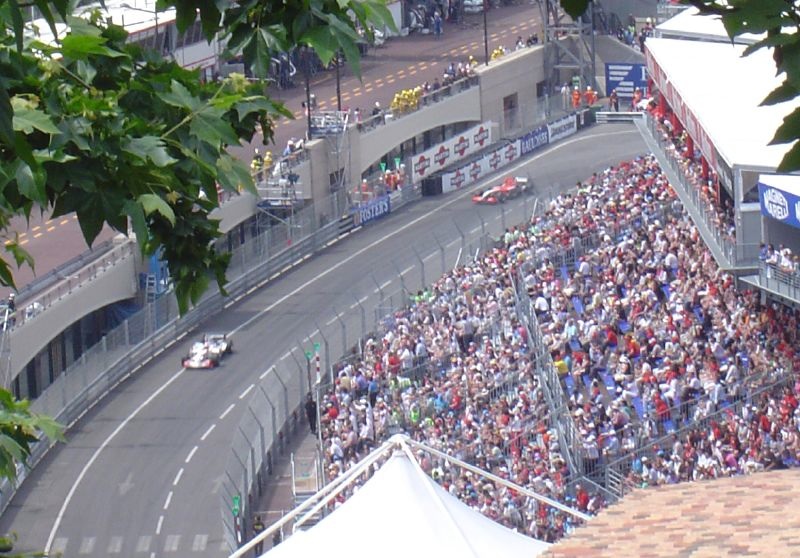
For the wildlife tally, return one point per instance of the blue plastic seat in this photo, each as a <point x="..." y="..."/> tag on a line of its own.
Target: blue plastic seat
<point x="576" y="302"/>
<point x="569" y="382"/>
<point x="639" y="406"/>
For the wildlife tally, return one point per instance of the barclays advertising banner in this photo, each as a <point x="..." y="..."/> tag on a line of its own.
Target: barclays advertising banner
<point x="372" y="210"/>
<point x="779" y="204"/>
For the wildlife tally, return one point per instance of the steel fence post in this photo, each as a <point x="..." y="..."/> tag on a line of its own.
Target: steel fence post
<point x="344" y="330"/>
<point x="363" y="316"/>
<point x="421" y="266"/>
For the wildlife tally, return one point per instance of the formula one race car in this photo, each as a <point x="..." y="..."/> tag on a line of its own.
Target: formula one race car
<point x="511" y="187"/>
<point x="218" y="344"/>
<point x="200" y="357"/>
<point x="208" y="352"/>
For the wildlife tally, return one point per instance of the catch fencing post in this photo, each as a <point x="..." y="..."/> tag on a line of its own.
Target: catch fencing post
<point x="344" y="331"/>
<point x="421" y="266"/>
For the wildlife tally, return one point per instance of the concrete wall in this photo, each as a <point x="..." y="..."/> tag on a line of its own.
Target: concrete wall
<point x="515" y="73"/>
<point x="115" y="283"/>
<point x="234" y="211"/>
<point x="374" y="144"/>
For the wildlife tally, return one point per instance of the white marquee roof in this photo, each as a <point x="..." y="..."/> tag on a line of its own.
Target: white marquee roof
<point x="689" y="24"/>
<point x="401" y="512"/>
<point x="723" y="90"/>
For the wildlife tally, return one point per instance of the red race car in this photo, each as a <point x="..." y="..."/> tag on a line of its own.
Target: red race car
<point x="511" y="187"/>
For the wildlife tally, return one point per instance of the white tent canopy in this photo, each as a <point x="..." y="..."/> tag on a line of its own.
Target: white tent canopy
<point x="724" y="90"/>
<point x="690" y="24"/>
<point x="401" y="512"/>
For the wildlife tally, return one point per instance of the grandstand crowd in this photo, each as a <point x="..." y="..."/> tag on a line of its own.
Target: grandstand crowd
<point x="670" y="373"/>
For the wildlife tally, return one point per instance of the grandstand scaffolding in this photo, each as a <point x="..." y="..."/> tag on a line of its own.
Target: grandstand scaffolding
<point x="570" y="48"/>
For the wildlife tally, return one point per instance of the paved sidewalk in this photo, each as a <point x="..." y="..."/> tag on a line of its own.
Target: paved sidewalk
<point x="277" y="498"/>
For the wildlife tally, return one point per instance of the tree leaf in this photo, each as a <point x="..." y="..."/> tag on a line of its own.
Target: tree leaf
<point x="784" y="92"/>
<point x="179" y="96"/>
<point x="575" y="8"/>
<point x="27" y="119"/>
<point x="791" y="161"/>
<point x="149" y="147"/>
<point x="322" y="41"/>
<point x="789" y="130"/>
<point x="135" y="212"/>
<point x="6" y="118"/>
<point x="31" y="183"/>
<point x="210" y="126"/>
<point x="81" y="47"/>
<point x="151" y="203"/>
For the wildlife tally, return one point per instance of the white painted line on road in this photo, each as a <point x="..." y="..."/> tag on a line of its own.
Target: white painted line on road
<point x="406" y="270"/>
<point x="180" y="472"/>
<point x="199" y="543"/>
<point x="159" y="524"/>
<point x="207" y="432"/>
<point x="96" y="454"/>
<point x="228" y="410"/>
<point x="475" y="229"/>
<point x="286" y="355"/>
<point x="264" y="374"/>
<point x="191" y="454"/>
<point x="60" y="545"/>
<point x="329" y="322"/>
<point x="172" y="543"/>
<point x="245" y="392"/>
<point x="87" y="545"/>
<point x="143" y="544"/>
<point x="115" y="545"/>
<point x="168" y="500"/>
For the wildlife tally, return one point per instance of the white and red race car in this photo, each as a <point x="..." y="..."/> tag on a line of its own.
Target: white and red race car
<point x="511" y="187"/>
<point x="208" y="352"/>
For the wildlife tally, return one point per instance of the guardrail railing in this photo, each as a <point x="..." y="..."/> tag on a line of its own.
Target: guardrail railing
<point x="711" y="224"/>
<point x="785" y="283"/>
<point x="429" y="99"/>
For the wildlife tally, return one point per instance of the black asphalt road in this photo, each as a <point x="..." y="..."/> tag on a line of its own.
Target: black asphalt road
<point x="140" y="474"/>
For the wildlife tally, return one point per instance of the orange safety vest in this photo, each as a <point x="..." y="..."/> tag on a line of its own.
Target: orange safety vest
<point x="576" y="98"/>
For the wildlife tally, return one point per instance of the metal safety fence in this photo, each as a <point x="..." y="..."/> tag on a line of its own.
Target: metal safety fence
<point x="276" y="410"/>
<point x="716" y="228"/>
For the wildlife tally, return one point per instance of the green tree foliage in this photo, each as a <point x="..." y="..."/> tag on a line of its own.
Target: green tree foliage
<point x="93" y="125"/>
<point x="779" y="22"/>
<point x="19" y="429"/>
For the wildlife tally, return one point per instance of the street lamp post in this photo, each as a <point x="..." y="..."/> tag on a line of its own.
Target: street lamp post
<point x="485" y="33"/>
<point x="307" y="64"/>
<point x="338" y="84"/>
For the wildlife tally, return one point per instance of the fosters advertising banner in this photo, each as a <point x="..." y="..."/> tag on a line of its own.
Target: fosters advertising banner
<point x="779" y="204"/>
<point x="446" y="153"/>
<point x="562" y="128"/>
<point x="375" y="209"/>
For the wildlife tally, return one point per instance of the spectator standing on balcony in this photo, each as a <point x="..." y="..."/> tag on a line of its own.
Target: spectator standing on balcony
<point x="576" y="98"/>
<point x="257" y="165"/>
<point x="637" y="98"/>
<point x="376" y="110"/>
<point x="613" y="101"/>
<point x="589" y="96"/>
<point x="311" y="413"/>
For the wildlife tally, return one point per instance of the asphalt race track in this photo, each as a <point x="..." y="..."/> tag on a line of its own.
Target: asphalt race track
<point x="140" y="473"/>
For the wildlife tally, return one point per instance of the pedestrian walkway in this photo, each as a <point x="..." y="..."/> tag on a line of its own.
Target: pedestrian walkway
<point x="277" y="499"/>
